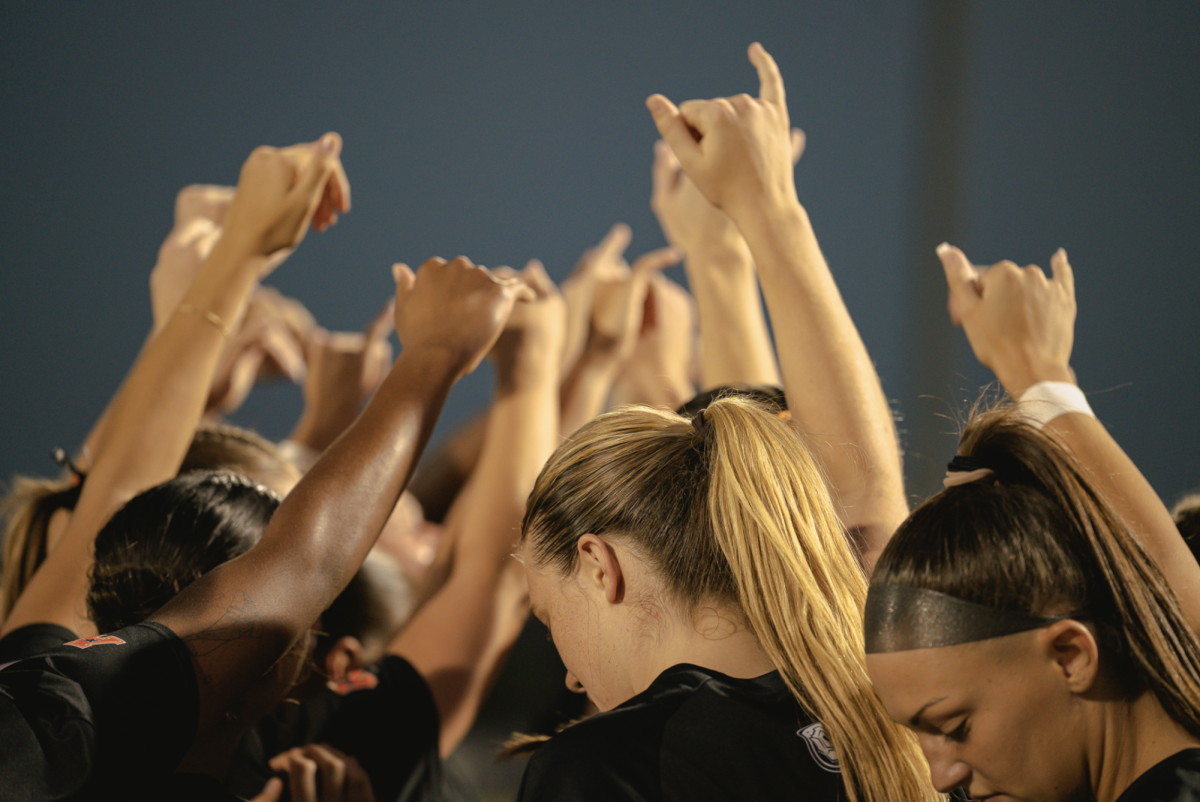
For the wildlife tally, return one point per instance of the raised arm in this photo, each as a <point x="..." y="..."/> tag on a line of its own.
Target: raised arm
<point x="738" y="151"/>
<point x="1021" y="325"/>
<point x="239" y="619"/>
<point x="458" y="640"/>
<point x="735" y="348"/>
<point x="151" y="420"/>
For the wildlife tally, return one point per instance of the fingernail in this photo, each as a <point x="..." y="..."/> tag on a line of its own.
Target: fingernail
<point x="943" y="249"/>
<point x="327" y="143"/>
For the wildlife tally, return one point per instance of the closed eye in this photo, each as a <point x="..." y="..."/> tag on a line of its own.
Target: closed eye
<point x="959" y="733"/>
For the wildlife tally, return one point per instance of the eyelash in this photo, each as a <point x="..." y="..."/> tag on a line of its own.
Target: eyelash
<point x="959" y="733"/>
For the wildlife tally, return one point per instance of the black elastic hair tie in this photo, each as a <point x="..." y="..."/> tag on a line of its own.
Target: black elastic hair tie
<point x="699" y="423"/>
<point x="961" y="464"/>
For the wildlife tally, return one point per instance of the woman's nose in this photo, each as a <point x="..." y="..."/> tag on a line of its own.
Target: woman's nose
<point x="574" y="685"/>
<point x="946" y="771"/>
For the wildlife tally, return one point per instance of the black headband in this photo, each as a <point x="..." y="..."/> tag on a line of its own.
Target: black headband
<point x="899" y="618"/>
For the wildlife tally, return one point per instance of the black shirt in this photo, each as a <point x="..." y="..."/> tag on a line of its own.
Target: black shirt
<point x="694" y="734"/>
<point x="384" y="718"/>
<point x="1176" y="779"/>
<point x="32" y="639"/>
<point x="97" y="717"/>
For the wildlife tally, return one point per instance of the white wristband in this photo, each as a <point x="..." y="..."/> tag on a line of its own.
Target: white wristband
<point x="1045" y="401"/>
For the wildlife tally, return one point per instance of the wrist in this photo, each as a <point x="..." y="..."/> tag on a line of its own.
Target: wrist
<point x="1016" y="381"/>
<point x="775" y="230"/>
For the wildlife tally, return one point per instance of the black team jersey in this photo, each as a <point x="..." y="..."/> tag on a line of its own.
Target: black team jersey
<point x="107" y="717"/>
<point x="694" y="735"/>
<point x="1176" y="779"/>
<point x="385" y="718"/>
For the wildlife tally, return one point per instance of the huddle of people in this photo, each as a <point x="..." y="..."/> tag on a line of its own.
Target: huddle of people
<point x="739" y="586"/>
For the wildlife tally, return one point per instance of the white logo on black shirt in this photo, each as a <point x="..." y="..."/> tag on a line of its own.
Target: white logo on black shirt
<point x="820" y="748"/>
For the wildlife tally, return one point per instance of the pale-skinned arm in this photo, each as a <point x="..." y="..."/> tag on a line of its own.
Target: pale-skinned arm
<point x="1021" y="325"/>
<point x="742" y="162"/>
<point x="458" y="639"/>
<point x="151" y="420"/>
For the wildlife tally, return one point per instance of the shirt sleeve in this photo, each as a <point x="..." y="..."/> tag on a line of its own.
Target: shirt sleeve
<point x="140" y="686"/>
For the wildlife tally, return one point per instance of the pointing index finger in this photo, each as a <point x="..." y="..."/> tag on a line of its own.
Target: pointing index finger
<point x="770" y="82"/>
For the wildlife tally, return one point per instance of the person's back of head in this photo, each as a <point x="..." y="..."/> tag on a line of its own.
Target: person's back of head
<point x="1028" y="537"/>
<point x="165" y="538"/>
<point x="32" y="502"/>
<point x="730" y="509"/>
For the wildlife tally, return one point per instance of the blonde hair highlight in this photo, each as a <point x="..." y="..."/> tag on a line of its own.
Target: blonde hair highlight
<point x="737" y="510"/>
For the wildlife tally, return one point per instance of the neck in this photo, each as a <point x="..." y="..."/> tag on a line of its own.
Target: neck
<point x="1131" y="739"/>
<point x="713" y="637"/>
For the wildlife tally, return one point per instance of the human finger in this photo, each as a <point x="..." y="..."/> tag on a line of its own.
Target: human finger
<point x="405" y="281"/>
<point x="665" y="173"/>
<point x="302" y="774"/>
<point x="504" y="272"/>
<point x="655" y="261"/>
<point x="535" y="276"/>
<point x="614" y="243"/>
<point x="284" y="350"/>
<point x="271" y="792"/>
<point x="770" y="82"/>
<point x="1061" y="272"/>
<point x="518" y="290"/>
<point x="674" y="129"/>
<point x="799" y="140"/>
<point x="962" y="279"/>
<point x="331" y="771"/>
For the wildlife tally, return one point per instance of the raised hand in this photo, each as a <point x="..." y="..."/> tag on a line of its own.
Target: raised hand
<point x="738" y="149"/>
<point x="1020" y="324"/>
<point x="281" y="191"/>
<point x="579" y="290"/>
<point x="659" y="370"/>
<point x="344" y="368"/>
<point x="207" y="201"/>
<point x="455" y="308"/>
<point x="619" y="301"/>
<point x="532" y="339"/>
<point x="689" y="221"/>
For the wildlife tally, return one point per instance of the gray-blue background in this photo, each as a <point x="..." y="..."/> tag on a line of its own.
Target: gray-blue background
<point x="510" y="130"/>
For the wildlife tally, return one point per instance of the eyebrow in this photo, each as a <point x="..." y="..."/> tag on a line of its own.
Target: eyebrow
<point x="916" y="719"/>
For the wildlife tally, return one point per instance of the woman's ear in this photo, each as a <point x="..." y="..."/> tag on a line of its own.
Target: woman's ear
<point x="1074" y="652"/>
<point x="600" y="569"/>
<point x="343" y="656"/>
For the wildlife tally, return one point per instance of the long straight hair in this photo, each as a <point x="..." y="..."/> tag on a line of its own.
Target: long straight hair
<point x="1038" y="537"/>
<point x="735" y="510"/>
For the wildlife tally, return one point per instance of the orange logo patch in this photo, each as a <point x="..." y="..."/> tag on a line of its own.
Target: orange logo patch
<point x="100" y="640"/>
<point x="357" y="680"/>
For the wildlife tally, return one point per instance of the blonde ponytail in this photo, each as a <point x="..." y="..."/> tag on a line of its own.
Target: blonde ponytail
<point x="735" y="510"/>
<point x="802" y="591"/>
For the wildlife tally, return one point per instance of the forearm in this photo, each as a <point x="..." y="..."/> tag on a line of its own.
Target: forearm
<point x="441" y="478"/>
<point x="333" y="516"/>
<point x="458" y="638"/>
<point x="832" y="388"/>
<point x="239" y="619"/>
<point x="1122" y="484"/>
<point x="522" y="432"/>
<point x="145" y="434"/>
<point x="735" y="347"/>
<point x="585" y="390"/>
